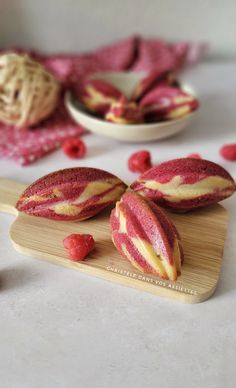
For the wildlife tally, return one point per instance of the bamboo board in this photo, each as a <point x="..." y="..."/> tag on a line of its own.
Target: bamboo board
<point x="203" y="234"/>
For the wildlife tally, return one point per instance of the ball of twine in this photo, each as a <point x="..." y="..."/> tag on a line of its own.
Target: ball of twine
<point x="28" y="93"/>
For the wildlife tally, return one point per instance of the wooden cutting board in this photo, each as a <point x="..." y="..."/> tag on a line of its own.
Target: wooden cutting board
<point x="203" y="234"/>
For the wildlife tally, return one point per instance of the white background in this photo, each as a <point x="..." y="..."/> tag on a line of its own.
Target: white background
<point x="84" y="24"/>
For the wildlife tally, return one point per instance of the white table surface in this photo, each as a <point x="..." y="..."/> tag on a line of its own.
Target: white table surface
<point x="63" y="329"/>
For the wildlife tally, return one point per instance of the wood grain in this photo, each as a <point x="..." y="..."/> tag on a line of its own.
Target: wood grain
<point x="203" y="234"/>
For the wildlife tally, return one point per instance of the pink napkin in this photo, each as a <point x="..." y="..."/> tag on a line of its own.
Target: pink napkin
<point x="135" y="53"/>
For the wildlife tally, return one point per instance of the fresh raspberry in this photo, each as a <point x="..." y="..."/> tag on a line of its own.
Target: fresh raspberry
<point x="74" y="147"/>
<point x="79" y="245"/>
<point x="140" y="161"/>
<point x="228" y="151"/>
<point x="194" y="156"/>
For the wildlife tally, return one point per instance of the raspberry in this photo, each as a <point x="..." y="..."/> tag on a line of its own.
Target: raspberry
<point x="74" y="147"/>
<point x="194" y="156"/>
<point x="228" y="151"/>
<point x="140" y="161"/>
<point x="79" y="245"/>
<point x="78" y="254"/>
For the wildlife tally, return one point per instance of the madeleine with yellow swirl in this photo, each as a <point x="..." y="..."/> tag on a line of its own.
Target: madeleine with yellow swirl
<point x="145" y="236"/>
<point x="185" y="184"/>
<point x="72" y="194"/>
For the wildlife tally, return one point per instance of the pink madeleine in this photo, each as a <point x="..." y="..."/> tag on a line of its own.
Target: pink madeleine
<point x="98" y="95"/>
<point x="185" y="184"/>
<point x="71" y="194"/>
<point x="153" y="79"/>
<point x="124" y="112"/>
<point x="166" y="103"/>
<point x="144" y="235"/>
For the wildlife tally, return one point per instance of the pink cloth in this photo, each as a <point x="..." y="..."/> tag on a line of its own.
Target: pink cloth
<point x="135" y="53"/>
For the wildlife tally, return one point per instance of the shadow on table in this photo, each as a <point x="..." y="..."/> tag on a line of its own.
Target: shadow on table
<point x="15" y="277"/>
<point x="94" y="150"/>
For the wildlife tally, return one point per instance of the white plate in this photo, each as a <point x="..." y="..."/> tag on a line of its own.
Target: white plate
<point x="126" y="82"/>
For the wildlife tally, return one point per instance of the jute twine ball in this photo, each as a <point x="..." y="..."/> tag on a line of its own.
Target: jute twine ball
<point x="28" y="93"/>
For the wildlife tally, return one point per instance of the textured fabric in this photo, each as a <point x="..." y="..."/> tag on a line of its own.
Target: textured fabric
<point x="135" y="53"/>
